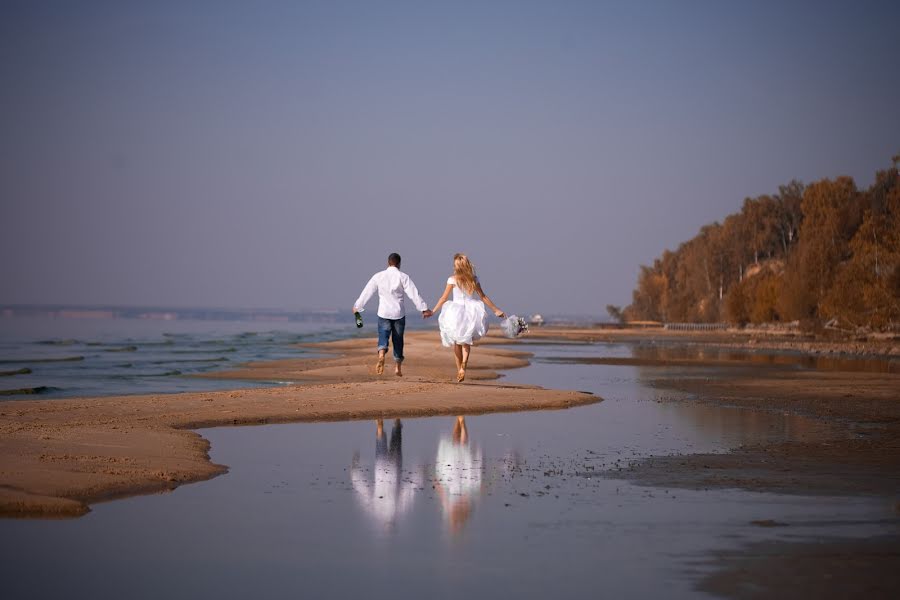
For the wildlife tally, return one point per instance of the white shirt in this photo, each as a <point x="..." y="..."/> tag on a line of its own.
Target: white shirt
<point x="390" y="284"/>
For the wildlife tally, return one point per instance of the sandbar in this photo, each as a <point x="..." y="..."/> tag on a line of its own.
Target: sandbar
<point x="59" y="456"/>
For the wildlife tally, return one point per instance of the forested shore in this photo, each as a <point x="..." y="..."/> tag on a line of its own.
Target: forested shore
<point x="823" y="253"/>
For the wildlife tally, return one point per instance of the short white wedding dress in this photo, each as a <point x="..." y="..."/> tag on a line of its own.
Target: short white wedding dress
<point x="463" y="320"/>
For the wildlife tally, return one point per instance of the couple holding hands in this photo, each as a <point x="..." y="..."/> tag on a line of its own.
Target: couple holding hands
<point x="463" y="318"/>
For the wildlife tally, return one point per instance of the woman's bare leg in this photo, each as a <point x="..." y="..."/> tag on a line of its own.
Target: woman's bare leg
<point x="463" y="432"/>
<point x="457" y="354"/>
<point x="464" y="359"/>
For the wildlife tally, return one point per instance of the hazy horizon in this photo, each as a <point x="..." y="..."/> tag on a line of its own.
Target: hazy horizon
<point x="218" y="154"/>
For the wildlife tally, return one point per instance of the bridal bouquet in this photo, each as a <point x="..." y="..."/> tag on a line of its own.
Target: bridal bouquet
<point x="514" y="326"/>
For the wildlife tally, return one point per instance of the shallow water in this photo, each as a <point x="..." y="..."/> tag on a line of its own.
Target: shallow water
<point x="510" y="509"/>
<point x="737" y="358"/>
<point x="100" y="357"/>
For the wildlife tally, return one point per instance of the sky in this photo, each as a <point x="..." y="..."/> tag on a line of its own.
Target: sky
<point x="272" y="154"/>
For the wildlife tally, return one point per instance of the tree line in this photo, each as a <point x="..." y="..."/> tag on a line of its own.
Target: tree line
<point x="817" y="253"/>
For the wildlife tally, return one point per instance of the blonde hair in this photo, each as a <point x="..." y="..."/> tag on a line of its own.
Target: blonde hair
<point x="464" y="272"/>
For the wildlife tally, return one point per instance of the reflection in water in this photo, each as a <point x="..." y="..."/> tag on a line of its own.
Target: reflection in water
<point x="389" y="494"/>
<point x="457" y="475"/>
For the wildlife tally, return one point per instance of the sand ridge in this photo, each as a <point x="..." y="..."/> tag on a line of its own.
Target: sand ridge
<point x="59" y="456"/>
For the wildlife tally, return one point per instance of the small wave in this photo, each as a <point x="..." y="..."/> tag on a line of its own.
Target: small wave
<point x="20" y="361"/>
<point x="212" y="351"/>
<point x="146" y="344"/>
<point x="216" y="342"/>
<point x="190" y="360"/>
<point x="124" y="365"/>
<point x="23" y="371"/>
<point x="66" y="342"/>
<point x="40" y="389"/>
<point x="134" y="376"/>
<point x="122" y="349"/>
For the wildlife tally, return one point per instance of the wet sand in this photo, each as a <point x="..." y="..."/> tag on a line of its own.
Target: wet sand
<point x="861" y="456"/>
<point x="858" y="454"/>
<point x="59" y="456"/>
<point x="865" y="568"/>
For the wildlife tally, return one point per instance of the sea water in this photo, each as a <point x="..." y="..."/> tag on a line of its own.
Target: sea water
<point x="52" y="357"/>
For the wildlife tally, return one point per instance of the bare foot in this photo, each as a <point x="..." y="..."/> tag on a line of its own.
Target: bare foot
<point x="461" y="376"/>
<point x="379" y="366"/>
<point x="397" y="371"/>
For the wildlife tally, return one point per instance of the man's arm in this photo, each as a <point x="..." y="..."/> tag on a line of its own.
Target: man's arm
<point x="366" y="295"/>
<point x="410" y="288"/>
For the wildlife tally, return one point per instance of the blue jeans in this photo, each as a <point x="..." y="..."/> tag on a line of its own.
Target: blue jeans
<point x="391" y="329"/>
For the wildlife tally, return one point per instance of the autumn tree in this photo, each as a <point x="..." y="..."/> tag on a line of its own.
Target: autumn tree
<point x="864" y="291"/>
<point x="830" y="216"/>
<point x="806" y="253"/>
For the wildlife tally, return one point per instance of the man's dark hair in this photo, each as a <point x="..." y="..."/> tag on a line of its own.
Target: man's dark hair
<point x="394" y="259"/>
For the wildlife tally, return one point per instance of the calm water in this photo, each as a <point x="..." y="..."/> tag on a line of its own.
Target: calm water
<point x="507" y="507"/>
<point x="740" y="359"/>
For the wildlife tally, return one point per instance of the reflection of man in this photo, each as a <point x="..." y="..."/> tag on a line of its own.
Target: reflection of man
<point x="457" y="475"/>
<point x="389" y="495"/>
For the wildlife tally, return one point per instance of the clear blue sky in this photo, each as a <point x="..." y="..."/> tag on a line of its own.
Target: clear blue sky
<point x="271" y="154"/>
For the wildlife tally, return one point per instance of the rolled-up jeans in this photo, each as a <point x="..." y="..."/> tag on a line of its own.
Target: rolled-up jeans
<point x="391" y="330"/>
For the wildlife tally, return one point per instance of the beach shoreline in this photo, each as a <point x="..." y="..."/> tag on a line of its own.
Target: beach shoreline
<point x="59" y="456"/>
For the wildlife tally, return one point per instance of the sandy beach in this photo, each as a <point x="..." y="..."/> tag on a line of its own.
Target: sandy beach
<point x="59" y="456"/>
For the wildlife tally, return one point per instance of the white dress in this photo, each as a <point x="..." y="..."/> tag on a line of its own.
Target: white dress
<point x="463" y="320"/>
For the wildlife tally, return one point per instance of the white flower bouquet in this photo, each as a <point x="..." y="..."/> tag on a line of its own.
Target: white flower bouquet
<point x="513" y="326"/>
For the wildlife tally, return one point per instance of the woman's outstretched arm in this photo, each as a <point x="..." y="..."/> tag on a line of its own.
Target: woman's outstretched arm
<point x="443" y="299"/>
<point x="488" y="301"/>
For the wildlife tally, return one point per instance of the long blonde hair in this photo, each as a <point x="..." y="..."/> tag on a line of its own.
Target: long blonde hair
<point x="464" y="272"/>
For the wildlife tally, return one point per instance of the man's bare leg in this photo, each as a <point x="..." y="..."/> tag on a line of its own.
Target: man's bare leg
<point x="379" y="366"/>
<point x="397" y="371"/>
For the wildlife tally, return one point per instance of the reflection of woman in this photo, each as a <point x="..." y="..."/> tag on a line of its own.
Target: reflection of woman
<point x="457" y="475"/>
<point x="388" y="496"/>
<point x="463" y="320"/>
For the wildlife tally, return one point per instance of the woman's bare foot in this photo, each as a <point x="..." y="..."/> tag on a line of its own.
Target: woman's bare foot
<point x="379" y="366"/>
<point x="461" y="375"/>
